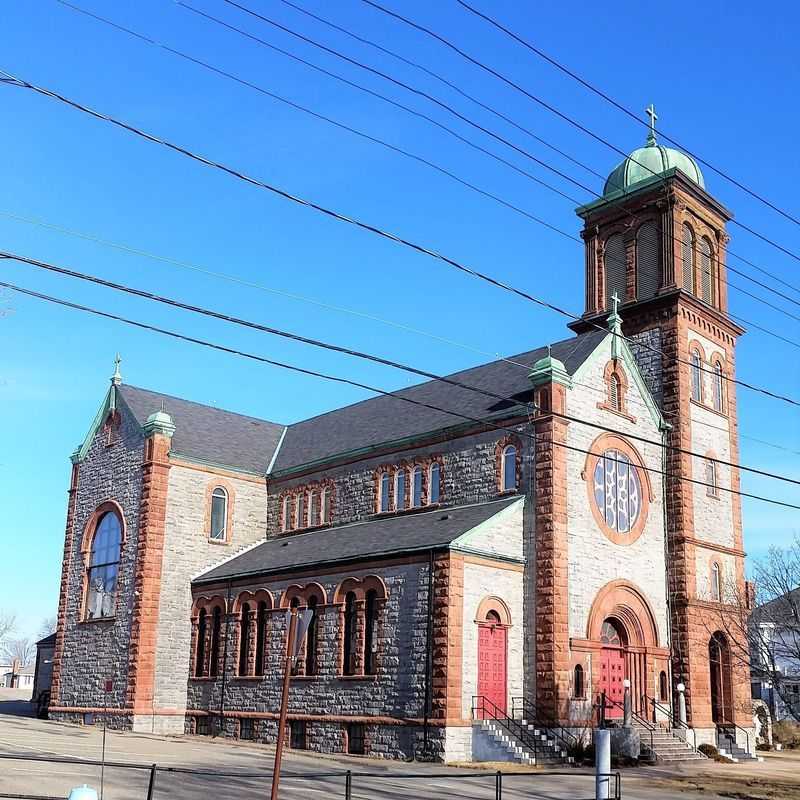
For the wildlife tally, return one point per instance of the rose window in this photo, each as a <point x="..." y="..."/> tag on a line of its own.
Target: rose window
<point x="617" y="491"/>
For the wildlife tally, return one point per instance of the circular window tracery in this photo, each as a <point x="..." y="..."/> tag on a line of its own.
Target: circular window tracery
<point x="617" y="491"/>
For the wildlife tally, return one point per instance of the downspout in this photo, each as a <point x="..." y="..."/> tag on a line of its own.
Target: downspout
<point x="665" y="429"/>
<point x="428" y="657"/>
<point x="225" y="661"/>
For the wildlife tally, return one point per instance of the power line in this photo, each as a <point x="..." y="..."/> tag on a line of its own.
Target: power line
<point x="552" y="109"/>
<point x="370" y="228"/>
<point x="324" y="345"/>
<point x="341" y="309"/>
<point x="486" y="422"/>
<point x="406" y="153"/>
<point x="457" y="114"/>
<point x="600" y="93"/>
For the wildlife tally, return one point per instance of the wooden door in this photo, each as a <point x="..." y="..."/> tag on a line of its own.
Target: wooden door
<point x="612" y="675"/>
<point x="492" y="670"/>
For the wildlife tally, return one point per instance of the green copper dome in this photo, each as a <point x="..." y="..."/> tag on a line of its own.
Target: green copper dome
<point x="645" y="162"/>
<point x="649" y="161"/>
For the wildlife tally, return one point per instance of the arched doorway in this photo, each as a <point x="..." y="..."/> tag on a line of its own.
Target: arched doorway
<point x="612" y="665"/>
<point x="492" y="664"/>
<point x="719" y="663"/>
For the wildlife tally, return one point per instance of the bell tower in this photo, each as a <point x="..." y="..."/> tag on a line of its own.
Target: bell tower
<point x="657" y="240"/>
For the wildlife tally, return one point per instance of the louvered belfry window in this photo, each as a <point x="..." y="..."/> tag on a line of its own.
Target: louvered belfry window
<point x="614" y="260"/>
<point x="648" y="261"/>
<point x="706" y="272"/>
<point x="687" y="258"/>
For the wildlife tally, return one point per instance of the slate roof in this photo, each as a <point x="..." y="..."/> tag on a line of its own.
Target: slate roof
<point x="387" y="419"/>
<point x="209" y="434"/>
<point x="48" y="641"/>
<point x="379" y="537"/>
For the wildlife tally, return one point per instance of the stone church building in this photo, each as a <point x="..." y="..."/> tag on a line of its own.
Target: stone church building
<point x="464" y="555"/>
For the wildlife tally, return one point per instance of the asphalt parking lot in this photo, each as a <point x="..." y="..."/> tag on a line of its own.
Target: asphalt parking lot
<point x="305" y="777"/>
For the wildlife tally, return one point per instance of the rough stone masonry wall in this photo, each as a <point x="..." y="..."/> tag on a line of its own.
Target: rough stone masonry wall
<point x="97" y="651"/>
<point x="187" y="552"/>
<point x="328" y="700"/>
<point x="469" y="476"/>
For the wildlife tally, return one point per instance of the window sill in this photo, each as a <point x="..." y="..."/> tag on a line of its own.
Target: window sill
<point x="507" y="492"/>
<point x="244" y="678"/>
<point x="617" y="412"/>
<point x="97" y="620"/>
<point x="367" y="678"/>
<point x="414" y="510"/>
<point x="218" y="542"/>
<point x="305" y="677"/>
<point x="701" y="404"/>
<point x="306" y="529"/>
<point x="204" y="678"/>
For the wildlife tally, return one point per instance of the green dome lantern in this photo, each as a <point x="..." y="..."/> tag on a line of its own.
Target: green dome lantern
<point x="650" y="161"/>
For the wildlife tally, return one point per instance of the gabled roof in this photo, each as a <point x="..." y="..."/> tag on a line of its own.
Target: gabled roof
<point x="48" y="641"/>
<point x="379" y="537"/>
<point x="385" y="419"/>
<point x="209" y="434"/>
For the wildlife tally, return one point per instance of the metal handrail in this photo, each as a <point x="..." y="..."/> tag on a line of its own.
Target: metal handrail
<point x="605" y="701"/>
<point x="675" y="723"/>
<point x="569" y="740"/>
<point x="484" y="705"/>
<point x="732" y="739"/>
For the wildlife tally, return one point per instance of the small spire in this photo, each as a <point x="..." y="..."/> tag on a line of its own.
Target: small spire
<point x="615" y="324"/>
<point x="651" y="136"/>
<point x="549" y="351"/>
<point x="116" y="378"/>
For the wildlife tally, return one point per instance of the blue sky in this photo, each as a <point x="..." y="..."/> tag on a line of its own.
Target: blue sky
<point x="723" y="83"/>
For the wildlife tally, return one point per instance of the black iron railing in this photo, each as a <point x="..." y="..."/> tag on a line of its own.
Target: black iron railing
<point x="675" y="723"/>
<point x="532" y="714"/>
<point x="731" y="737"/>
<point x="335" y="783"/>
<point x="483" y="708"/>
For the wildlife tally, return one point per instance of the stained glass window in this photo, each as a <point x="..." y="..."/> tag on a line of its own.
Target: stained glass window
<point x="617" y="490"/>
<point x="104" y="567"/>
<point x="219" y="513"/>
<point x="611" y="635"/>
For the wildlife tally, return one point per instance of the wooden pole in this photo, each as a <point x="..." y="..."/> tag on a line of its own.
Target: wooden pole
<point x="287" y="673"/>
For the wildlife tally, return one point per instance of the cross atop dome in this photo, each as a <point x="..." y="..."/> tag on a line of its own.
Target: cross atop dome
<point x="651" y="136"/>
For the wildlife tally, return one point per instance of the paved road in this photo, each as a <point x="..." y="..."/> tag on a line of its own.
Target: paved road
<point x="302" y="779"/>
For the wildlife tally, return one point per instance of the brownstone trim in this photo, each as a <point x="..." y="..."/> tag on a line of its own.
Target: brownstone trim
<point x="177" y="461"/>
<point x="609" y="441"/>
<point x="488" y="561"/>
<point x="498" y="606"/>
<point x="227" y="487"/>
<point x="711" y="459"/>
<point x="614" y="370"/>
<point x="624" y="601"/>
<point x="731" y="551"/>
<point x="499" y="461"/>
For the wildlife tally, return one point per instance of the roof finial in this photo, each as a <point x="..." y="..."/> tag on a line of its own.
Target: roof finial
<point x="651" y="136"/>
<point x="116" y="378"/>
<point x="615" y="324"/>
<point x="549" y="351"/>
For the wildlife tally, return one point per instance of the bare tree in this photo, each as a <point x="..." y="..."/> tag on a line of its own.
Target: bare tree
<point x="23" y="650"/>
<point x="47" y="627"/>
<point x="762" y="624"/>
<point x="7" y="624"/>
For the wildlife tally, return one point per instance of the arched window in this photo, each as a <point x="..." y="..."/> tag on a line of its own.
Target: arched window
<point x="200" y="653"/>
<point x="385" y="492"/>
<point x="615" y="392"/>
<point x="300" y="521"/>
<point x="103" y="567"/>
<point x="434" y="477"/>
<point x="719" y="404"/>
<point x="614" y="260"/>
<point x="416" y="487"/>
<point x="716" y="583"/>
<point x="219" y="514"/>
<point x="663" y="688"/>
<point x="579" y="686"/>
<point x="370" y="631"/>
<point x="261" y="637"/>
<point x="350" y="633"/>
<point x="509" y="468"/>
<point x="697" y="376"/>
<point x="244" y="638"/>
<point x="326" y="506"/>
<point x="400" y="489"/>
<point x="687" y="258"/>
<point x="706" y="271"/>
<point x="711" y="478"/>
<point x="216" y="629"/>
<point x="311" y="638"/>
<point x="314" y="515"/>
<point x="648" y="261"/>
<point x="286" y="512"/>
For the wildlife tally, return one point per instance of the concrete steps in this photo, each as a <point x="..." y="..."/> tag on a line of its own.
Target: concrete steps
<point x="666" y="746"/>
<point x="493" y="742"/>
<point x="732" y="750"/>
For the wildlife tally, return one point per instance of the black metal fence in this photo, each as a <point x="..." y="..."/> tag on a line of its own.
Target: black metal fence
<point x="157" y="781"/>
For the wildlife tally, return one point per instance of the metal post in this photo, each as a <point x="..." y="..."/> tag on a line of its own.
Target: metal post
<point x="152" y="784"/>
<point x="287" y="673"/>
<point x="348" y="785"/>
<point x="602" y="764"/>
<point x="498" y="786"/>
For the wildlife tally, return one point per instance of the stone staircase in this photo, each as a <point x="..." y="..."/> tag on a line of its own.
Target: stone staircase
<point x="493" y="741"/>
<point x="730" y="749"/>
<point x="667" y="746"/>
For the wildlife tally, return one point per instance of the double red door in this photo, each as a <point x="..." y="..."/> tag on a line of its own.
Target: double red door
<point x="612" y="675"/>
<point x="492" y="669"/>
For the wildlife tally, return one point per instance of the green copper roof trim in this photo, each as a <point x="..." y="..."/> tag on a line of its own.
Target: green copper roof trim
<point x="159" y="422"/>
<point x="109" y="404"/>
<point x="549" y="370"/>
<point x="217" y="465"/>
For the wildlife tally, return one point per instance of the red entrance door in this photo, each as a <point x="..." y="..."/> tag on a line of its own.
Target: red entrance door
<point x="612" y="667"/>
<point x="492" y="670"/>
